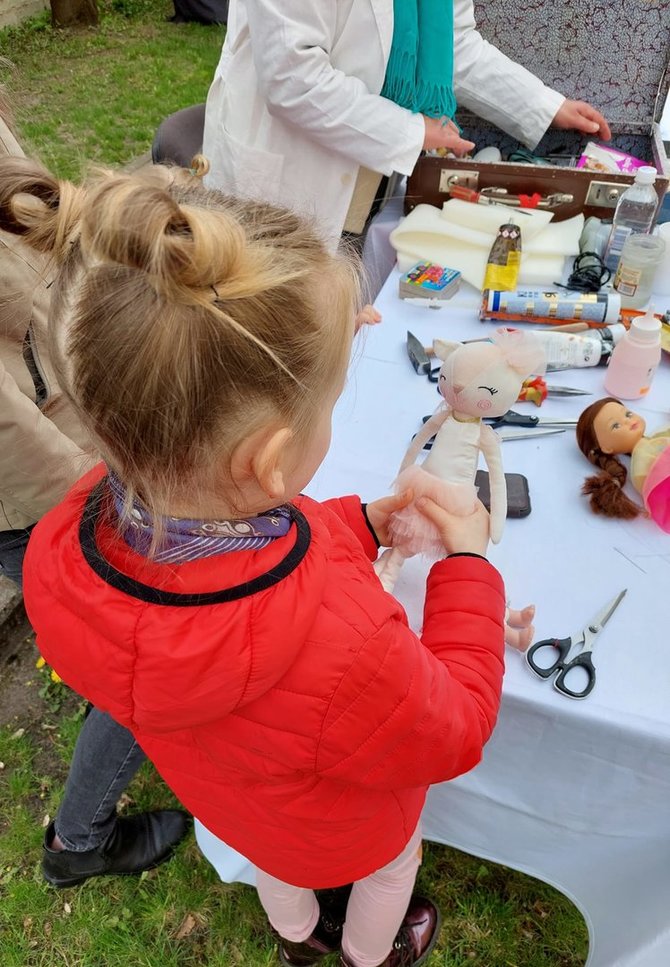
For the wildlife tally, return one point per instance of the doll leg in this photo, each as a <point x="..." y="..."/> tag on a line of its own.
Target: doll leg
<point x="388" y="567"/>
<point x="519" y="628"/>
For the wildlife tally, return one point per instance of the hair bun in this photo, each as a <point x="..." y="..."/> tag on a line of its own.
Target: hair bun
<point x="183" y="247"/>
<point x="36" y="206"/>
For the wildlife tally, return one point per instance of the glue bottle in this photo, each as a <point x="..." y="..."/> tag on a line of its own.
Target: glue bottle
<point x="565" y="350"/>
<point x="635" y="358"/>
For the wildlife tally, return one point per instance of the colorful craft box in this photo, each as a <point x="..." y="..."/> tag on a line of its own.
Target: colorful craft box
<point x="427" y="280"/>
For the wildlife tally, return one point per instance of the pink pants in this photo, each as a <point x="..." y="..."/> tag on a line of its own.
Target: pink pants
<point x="376" y="907"/>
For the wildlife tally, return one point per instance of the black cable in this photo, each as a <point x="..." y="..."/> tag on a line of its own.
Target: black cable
<point x="589" y="273"/>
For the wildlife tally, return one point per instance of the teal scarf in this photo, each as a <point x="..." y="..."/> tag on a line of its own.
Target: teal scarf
<point x="420" y="71"/>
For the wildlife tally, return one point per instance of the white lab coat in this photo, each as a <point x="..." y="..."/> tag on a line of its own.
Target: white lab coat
<point x="294" y="111"/>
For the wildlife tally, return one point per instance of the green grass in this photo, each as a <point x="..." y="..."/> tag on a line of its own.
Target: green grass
<point x="181" y="915"/>
<point x="98" y="95"/>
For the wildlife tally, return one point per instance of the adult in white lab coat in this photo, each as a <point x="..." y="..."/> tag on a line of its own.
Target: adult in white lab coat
<point x="294" y="112"/>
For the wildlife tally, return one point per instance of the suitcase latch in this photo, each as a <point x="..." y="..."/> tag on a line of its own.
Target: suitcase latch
<point x="604" y="194"/>
<point x="455" y="176"/>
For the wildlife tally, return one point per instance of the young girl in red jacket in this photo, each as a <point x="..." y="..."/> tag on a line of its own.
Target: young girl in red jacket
<point x="187" y="588"/>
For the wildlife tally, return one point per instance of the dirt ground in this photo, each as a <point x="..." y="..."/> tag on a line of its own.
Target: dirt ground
<point x="21" y="705"/>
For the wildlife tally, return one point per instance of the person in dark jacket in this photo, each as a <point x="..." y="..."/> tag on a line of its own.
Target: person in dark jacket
<point x="245" y="638"/>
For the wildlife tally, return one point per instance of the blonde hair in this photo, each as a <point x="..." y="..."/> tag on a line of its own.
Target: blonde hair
<point x="182" y="319"/>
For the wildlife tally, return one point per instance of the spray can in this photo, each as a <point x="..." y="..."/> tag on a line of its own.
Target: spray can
<point x="551" y="306"/>
<point x="569" y="351"/>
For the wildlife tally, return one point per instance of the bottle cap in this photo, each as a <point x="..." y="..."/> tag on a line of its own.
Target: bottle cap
<point x="613" y="308"/>
<point x="646" y="328"/>
<point x="617" y="332"/>
<point x="646" y="175"/>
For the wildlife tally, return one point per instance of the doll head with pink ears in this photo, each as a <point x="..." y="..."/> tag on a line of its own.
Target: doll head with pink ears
<point x="482" y="379"/>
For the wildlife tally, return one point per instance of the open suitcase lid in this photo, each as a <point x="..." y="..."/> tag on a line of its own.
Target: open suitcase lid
<point x="612" y="53"/>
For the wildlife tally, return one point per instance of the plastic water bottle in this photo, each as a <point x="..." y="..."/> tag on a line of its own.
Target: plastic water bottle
<point x="635" y="358"/>
<point x="634" y="214"/>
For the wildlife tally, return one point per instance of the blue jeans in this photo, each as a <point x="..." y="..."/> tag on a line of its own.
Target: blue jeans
<point x="106" y="756"/>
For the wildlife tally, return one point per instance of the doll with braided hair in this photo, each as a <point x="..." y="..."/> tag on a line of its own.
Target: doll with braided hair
<point x="607" y="429"/>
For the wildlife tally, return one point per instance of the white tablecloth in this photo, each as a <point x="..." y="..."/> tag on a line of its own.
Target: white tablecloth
<point x="576" y="793"/>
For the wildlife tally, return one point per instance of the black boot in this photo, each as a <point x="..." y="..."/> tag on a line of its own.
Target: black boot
<point x="135" y="844"/>
<point x="326" y="936"/>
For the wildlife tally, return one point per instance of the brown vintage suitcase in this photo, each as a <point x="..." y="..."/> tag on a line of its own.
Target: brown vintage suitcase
<point x="614" y="54"/>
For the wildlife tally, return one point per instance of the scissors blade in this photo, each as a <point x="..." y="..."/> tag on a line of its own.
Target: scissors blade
<point x="604" y="615"/>
<point x="527" y="434"/>
<point x="417" y="354"/>
<point x="554" y="421"/>
<point x="566" y="391"/>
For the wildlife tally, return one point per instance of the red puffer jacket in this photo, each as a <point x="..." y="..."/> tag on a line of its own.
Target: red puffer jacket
<point x="280" y="692"/>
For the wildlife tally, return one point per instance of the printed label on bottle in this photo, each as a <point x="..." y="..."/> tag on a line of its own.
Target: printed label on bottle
<point x="627" y="280"/>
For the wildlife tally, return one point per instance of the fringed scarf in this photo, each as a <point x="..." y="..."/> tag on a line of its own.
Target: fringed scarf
<point x="420" y="70"/>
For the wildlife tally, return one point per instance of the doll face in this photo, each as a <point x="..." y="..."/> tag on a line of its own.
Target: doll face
<point x="486" y="386"/>
<point x="617" y="429"/>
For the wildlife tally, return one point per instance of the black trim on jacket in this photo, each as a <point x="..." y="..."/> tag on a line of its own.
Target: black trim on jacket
<point x="145" y="592"/>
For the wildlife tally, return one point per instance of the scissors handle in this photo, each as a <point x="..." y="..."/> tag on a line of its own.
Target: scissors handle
<point x="561" y="648"/>
<point x="583" y="660"/>
<point x="511" y="418"/>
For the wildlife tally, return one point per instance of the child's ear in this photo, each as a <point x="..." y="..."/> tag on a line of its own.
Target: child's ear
<point x="443" y="349"/>
<point x="259" y="458"/>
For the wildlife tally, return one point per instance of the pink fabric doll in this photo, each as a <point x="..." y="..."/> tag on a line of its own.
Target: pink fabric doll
<point x="476" y="380"/>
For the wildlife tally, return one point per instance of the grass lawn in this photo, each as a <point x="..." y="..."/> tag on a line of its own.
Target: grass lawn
<point x="98" y="95"/>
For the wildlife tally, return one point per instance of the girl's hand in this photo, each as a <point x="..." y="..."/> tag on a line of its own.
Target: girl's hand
<point x="379" y="512"/>
<point x="442" y="133"/>
<point x="460" y="535"/>
<point x="368" y="316"/>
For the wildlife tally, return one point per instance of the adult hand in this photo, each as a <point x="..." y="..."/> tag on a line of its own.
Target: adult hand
<point x="580" y="116"/>
<point x="379" y="512"/>
<point x="442" y="133"/>
<point x="460" y="535"/>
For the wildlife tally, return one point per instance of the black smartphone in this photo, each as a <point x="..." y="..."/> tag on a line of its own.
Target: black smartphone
<point x="518" y="496"/>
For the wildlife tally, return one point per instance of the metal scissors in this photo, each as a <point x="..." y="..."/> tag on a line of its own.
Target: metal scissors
<point x="520" y="434"/>
<point x="512" y="418"/>
<point x="587" y="639"/>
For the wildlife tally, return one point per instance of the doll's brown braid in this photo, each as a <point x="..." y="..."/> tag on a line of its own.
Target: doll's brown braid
<point x="605" y="489"/>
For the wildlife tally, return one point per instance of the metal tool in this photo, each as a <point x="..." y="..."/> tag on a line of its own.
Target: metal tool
<point x="563" y="665"/>
<point x="536" y="390"/>
<point x="506" y="435"/>
<point x="512" y="418"/>
<point x="420" y="360"/>
<point x="501" y="196"/>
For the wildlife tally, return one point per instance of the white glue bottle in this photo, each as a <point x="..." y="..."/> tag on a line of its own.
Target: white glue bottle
<point x="635" y="358"/>
<point x="571" y="351"/>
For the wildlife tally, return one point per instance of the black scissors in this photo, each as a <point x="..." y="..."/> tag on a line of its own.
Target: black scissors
<point x="586" y="638"/>
<point x="512" y="418"/>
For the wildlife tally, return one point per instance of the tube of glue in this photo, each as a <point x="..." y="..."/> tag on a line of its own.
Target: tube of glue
<point x="551" y="306"/>
<point x="566" y="350"/>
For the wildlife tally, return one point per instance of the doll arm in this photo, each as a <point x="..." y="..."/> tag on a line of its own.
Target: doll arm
<point x="428" y="430"/>
<point x="490" y="447"/>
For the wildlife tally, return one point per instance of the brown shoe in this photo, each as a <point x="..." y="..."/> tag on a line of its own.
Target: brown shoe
<point x="327" y="935"/>
<point x="416" y="938"/>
